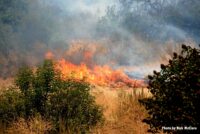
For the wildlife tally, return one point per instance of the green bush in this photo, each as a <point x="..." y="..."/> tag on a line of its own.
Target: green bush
<point x="11" y="105"/>
<point x="42" y="83"/>
<point x="75" y="107"/>
<point x="176" y="93"/>
<point x="24" y="80"/>
<point x="43" y="92"/>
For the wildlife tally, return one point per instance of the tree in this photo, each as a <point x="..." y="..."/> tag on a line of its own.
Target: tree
<point x="43" y="91"/>
<point x="74" y="108"/>
<point x="175" y="92"/>
<point x="11" y="105"/>
<point x="42" y="84"/>
<point x="24" y="80"/>
<point x="36" y="86"/>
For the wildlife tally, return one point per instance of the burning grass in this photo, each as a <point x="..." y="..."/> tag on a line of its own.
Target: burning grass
<point x="79" y="62"/>
<point x="97" y="75"/>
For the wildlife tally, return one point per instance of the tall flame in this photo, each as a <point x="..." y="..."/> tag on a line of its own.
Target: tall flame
<point x="98" y="75"/>
<point x="79" y="63"/>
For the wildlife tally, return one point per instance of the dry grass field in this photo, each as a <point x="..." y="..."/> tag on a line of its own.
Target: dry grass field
<point x="123" y="114"/>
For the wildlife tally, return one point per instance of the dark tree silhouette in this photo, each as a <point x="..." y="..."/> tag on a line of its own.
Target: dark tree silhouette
<point x="175" y="93"/>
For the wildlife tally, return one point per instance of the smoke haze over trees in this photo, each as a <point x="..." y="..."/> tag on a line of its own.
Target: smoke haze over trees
<point x="131" y="33"/>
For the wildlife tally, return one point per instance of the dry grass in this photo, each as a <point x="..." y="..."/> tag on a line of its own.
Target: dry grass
<point x="123" y="114"/>
<point x="6" y="83"/>
<point x="35" y="125"/>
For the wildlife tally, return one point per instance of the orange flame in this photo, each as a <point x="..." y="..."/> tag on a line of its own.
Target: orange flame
<point x="83" y="52"/>
<point x="49" y="55"/>
<point x="98" y="75"/>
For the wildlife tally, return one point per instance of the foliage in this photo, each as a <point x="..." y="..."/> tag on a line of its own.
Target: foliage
<point x="75" y="107"/>
<point x="23" y="79"/>
<point x="11" y="105"/>
<point x="43" y="92"/>
<point x="176" y="92"/>
<point x="42" y="85"/>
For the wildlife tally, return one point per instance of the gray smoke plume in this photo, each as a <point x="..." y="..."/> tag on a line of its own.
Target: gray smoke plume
<point x="136" y="35"/>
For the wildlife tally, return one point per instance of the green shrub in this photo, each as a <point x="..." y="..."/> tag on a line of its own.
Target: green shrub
<point x="75" y="107"/>
<point x="24" y="79"/>
<point x="11" y="105"/>
<point x="176" y="93"/>
<point x="43" y="84"/>
<point x="43" y="92"/>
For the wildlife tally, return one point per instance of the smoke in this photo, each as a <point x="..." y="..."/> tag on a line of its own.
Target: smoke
<point x="130" y="34"/>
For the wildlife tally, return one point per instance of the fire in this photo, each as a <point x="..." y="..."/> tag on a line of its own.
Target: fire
<point x="98" y="75"/>
<point x="49" y="55"/>
<point x="80" y="63"/>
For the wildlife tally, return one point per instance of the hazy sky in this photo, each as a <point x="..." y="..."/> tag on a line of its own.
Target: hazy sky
<point x="135" y="36"/>
<point x="97" y="7"/>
